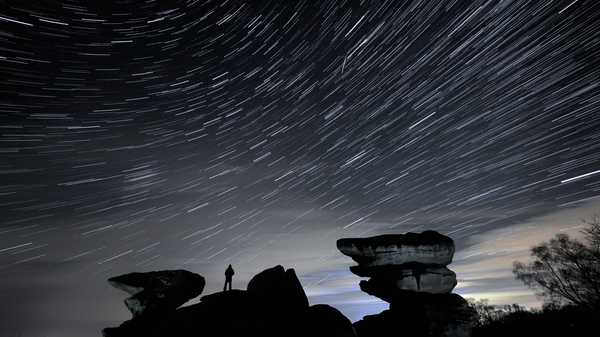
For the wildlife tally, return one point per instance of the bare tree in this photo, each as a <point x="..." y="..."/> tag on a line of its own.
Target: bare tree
<point x="592" y="232"/>
<point x="491" y="313"/>
<point x="564" y="269"/>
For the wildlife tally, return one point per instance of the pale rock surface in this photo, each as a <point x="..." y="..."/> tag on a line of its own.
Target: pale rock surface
<point x="417" y="277"/>
<point x="428" y="247"/>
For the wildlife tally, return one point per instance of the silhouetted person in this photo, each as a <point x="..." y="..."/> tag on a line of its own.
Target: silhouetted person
<point x="228" y="276"/>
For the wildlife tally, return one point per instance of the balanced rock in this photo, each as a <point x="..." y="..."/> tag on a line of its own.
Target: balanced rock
<point x="428" y="247"/>
<point x="409" y="272"/>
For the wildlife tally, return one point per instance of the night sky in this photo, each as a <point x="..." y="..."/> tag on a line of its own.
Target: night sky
<point x="152" y="135"/>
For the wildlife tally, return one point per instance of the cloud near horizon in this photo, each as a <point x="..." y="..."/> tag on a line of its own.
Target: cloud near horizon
<point x="500" y="247"/>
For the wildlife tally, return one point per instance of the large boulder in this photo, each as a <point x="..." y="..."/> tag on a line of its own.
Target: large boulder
<point x="155" y="295"/>
<point x="281" y="285"/>
<point x="164" y="290"/>
<point x="163" y="281"/>
<point x="428" y="247"/>
<point x="268" y="279"/>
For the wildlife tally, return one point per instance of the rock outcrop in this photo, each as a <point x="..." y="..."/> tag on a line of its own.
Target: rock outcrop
<point x="155" y="295"/>
<point x="409" y="272"/>
<point x="274" y="304"/>
<point x="280" y="285"/>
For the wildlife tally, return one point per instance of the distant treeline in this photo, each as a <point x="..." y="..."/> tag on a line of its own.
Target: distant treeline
<point x="565" y="272"/>
<point x="515" y="321"/>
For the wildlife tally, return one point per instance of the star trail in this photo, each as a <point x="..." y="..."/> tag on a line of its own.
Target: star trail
<point x="152" y="135"/>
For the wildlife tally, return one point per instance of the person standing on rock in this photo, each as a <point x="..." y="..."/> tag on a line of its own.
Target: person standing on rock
<point x="228" y="277"/>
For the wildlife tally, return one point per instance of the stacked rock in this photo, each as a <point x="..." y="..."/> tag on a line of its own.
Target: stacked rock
<point x="409" y="272"/>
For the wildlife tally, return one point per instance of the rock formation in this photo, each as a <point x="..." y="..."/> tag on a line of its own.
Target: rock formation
<point x="274" y="304"/>
<point x="280" y="285"/>
<point x="155" y="295"/>
<point x="409" y="272"/>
